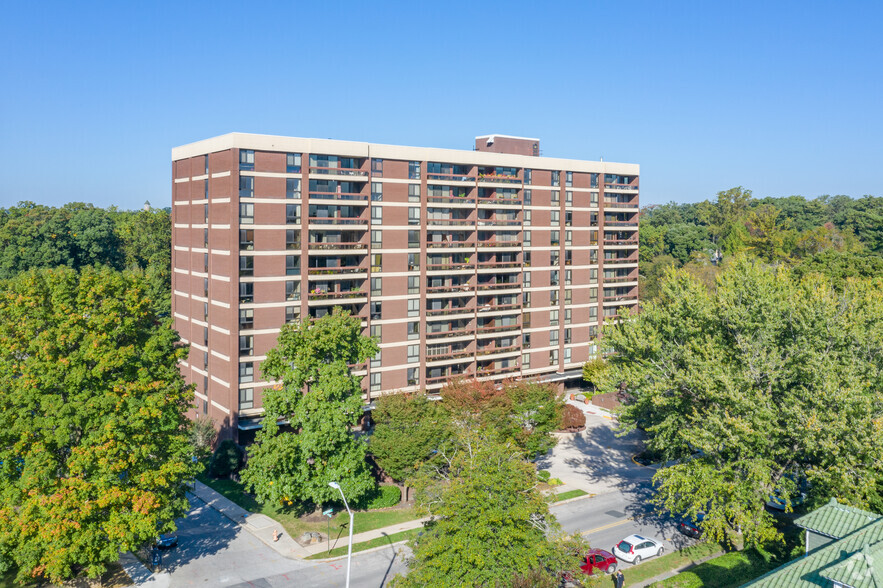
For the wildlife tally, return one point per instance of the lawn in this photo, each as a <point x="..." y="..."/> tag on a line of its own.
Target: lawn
<point x="293" y="519"/>
<point x="659" y="565"/>
<point x="569" y="494"/>
<point x="378" y="542"/>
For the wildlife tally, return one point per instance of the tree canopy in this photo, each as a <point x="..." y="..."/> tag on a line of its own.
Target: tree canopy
<point x="763" y="384"/>
<point x="320" y="399"/>
<point x="94" y="450"/>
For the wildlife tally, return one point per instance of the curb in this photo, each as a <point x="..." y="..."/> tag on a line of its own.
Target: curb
<point x="574" y="499"/>
<point x="355" y="553"/>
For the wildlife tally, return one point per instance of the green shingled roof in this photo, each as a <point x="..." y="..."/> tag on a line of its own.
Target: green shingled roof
<point x="819" y="567"/>
<point x="836" y="520"/>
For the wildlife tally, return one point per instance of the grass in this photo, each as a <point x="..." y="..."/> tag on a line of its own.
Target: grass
<point x="378" y="542"/>
<point x="114" y="577"/>
<point x="659" y="565"/>
<point x="292" y="519"/>
<point x="569" y="494"/>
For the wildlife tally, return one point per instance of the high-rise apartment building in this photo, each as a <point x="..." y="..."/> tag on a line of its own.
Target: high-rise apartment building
<point x="494" y="263"/>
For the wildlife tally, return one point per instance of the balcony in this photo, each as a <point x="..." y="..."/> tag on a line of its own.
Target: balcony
<point x="350" y="197"/>
<point x="499" y="264"/>
<point x="493" y="349"/>
<point x="627" y="242"/>
<point x="495" y="328"/>
<point x="450" y="177"/>
<point x="344" y="269"/>
<point x="489" y="371"/>
<point x="493" y="307"/>
<point x="468" y="243"/>
<point x="499" y="201"/>
<point x="340" y="220"/>
<point x="621" y="298"/>
<point x="448" y="354"/>
<point x="623" y="187"/>
<point x="452" y="288"/>
<point x="451" y="221"/>
<point x="621" y="279"/>
<point x="452" y="333"/>
<point x="451" y="266"/>
<point x="437" y="312"/>
<point x="499" y="178"/>
<point x="621" y="260"/>
<point x="330" y="246"/>
<point x="447" y="378"/>
<point x="339" y="171"/>
<point x="337" y="295"/>
<point x="498" y="285"/>
<point x="620" y="204"/>
<point x="500" y="243"/>
<point x="451" y="200"/>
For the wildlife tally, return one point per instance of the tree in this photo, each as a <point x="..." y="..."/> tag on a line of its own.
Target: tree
<point x="321" y="399"/>
<point x="488" y="523"/>
<point x="202" y="437"/>
<point x="94" y="450"/>
<point x="764" y="382"/>
<point x="681" y="241"/>
<point x="652" y="274"/>
<point x="593" y="371"/>
<point x="768" y="234"/>
<point x="409" y="430"/>
<point x="839" y="266"/>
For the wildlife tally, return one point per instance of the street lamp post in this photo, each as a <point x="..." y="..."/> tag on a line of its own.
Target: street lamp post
<point x="349" y="551"/>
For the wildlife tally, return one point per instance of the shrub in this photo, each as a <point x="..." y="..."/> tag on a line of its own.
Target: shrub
<point x="573" y="418"/>
<point x="226" y="460"/>
<point x="381" y="497"/>
<point x="543" y="475"/>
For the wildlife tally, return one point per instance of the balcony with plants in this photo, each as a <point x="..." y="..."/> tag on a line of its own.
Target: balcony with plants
<point x="497" y="367"/>
<point x="499" y="239"/>
<point x="440" y="286"/>
<point x="499" y="175"/>
<point x="498" y="302"/>
<point x="334" y="265"/>
<point x="498" y="218"/>
<point x="499" y="345"/>
<point x="337" y="290"/>
<point x="438" y="376"/>
<point x="450" y="262"/>
<point x="492" y="326"/>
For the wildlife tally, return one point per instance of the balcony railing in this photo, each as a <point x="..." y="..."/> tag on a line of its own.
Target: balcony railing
<point x="449" y="221"/>
<point x="342" y="220"/>
<point x="486" y="351"/>
<point x="450" y="265"/>
<point x="618" y="279"/>
<point x="621" y="242"/>
<point x="503" y="264"/>
<point x="620" y="260"/>
<point x="450" y="177"/>
<point x="489" y="222"/>
<point x="490" y="307"/>
<point x="338" y="245"/>
<point x="350" y="196"/>
<point x="338" y="171"/>
<point x="451" y="288"/>
<point x="341" y="294"/>
<point x="449" y="355"/>
<point x="346" y="269"/>
<point x="451" y="244"/>
<point x="446" y="334"/>
<point x="500" y="201"/>
<point x="482" y="372"/>
<point x="451" y="199"/>
<point x="499" y="179"/>
<point x="444" y="311"/>
<point x="498" y="243"/>
<point x="499" y="285"/>
<point x="616" y="223"/>
<point x="620" y="187"/>
<point x="618" y="204"/>
<point x="495" y="328"/>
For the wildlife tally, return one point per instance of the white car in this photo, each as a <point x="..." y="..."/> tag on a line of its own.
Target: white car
<point x="634" y="548"/>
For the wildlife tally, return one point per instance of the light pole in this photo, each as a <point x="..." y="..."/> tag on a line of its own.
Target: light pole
<point x="349" y="551"/>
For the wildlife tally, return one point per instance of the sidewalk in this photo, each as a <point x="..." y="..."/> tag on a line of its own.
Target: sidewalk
<point x="261" y="526"/>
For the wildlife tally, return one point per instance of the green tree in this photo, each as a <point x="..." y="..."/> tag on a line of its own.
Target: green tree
<point x="321" y="399"/>
<point x="202" y="437"/>
<point x="489" y="523"/>
<point x="651" y="275"/>
<point x="839" y="266"/>
<point x="95" y="450"/>
<point x="726" y="212"/>
<point x="593" y="371"/>
<point x="409" y="430"/>
<point x="864" y="218"/>
<point x="682" y="241"/>
<point x="146" y="237"/>
<point x="764" y="381"/>
<point x="769" y="235"/>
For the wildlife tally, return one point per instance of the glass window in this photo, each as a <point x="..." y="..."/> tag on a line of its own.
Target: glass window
<point x="566" y="336"/>
<point x="246" y="372"/>
<point x="376" y="262"/>
<point x="526" y="279"/>
<point x="527" y="173"/>
<point x="526" y="258"/>
<point x="246" y="345"/>
<point x="377" y="167"/>
<point x="525" y="360"/>
<point x="246" y="160"/>
<point x="568" y="277"/>
<point x="292" y="313"/>
<point x="376" y="286"/>
<point x="568" y="197"/>
<point x="413" y="376"/>
<point x="527" y="238"/>
<point x="205" y="161"/>
<point x="413" y="284"/>
<point x="246" y="318"/>
<point x="375" y="382"/>
<point x="413" y="192"/>
<point x="526" y="302"/>
<point x="527" y="197"/>
<point x="556" y="196"/>
<point x="414" y="170"/>
<point x="205" y="212"/>
<point x="414" y="330"/>
<point x="376" y="215"/>
<point x="292" y="265"/>
<point x="413" y="215"/>
<point x="377" y="332"/>
<point x="246" y="239"/>
<point x="205" y="231"/>
<point x="553" y="357"/>
<point x="375" y="361"/>
<point x="527" y="217"/>
<point x="556" y="178"/>
<point x="568" y="179"/>
<point x="413" y="353"/>
<point x="292" y="290"/>
<point x="246" y="398"/>
<point x="292" y="188"/>
<point x="246" y="292"/>
<point x="413" y="261"/>
<point x="376" y="311"/>
<point x="246" y="214"/>
<point x="413" y="239"/>
<point x="292" y="163"/>
<point x="413" y="307"/>
<point x="246" y="265"/>
<point x="292" y="214"/>
<point x="376" y="239"/>
<point x="553" y="337"/>
<point x="567" y="355"/>
<point x="376" y="191"/>
<point x="555" y="238"/>
<point x="553" y="318"/>
<point x="568" y="316"/>
<point x="556" y="218"/>
<point x="292" y="239"/>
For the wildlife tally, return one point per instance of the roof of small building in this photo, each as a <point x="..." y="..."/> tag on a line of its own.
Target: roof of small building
<point x="855" y="560"/>
<point x="836" y="520"/>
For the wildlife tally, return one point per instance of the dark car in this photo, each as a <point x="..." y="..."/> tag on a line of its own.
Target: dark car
<point x="692" y="528"/>
<point x="167" y="541"/>
<point x="598" y="559"/>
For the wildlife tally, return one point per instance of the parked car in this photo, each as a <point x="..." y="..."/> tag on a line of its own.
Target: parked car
<point x="635" y="548"/>
<point x="167" y="541"/>
<point x="598" y="559"/>
<point x="692" y="528"/>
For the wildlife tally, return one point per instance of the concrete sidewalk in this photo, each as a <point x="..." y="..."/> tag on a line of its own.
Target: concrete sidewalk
<point x="320" y="548"/>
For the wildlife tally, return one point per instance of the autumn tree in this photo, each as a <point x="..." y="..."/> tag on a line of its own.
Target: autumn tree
<point x="94" y="450"/>
<point x="489" y="525"/>
<point x="756" y="386"/>
<point x="320" y="398"/>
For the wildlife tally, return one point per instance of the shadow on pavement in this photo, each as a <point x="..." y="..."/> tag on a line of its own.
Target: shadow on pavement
<point x="203" y="533"/>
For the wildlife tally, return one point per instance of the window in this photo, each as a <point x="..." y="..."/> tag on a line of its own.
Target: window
<point x="593" y="275"/>
<point x="205" y="161"/>
<point x="246" y="318"/>
<point x="413" y="239"/>
<point x="292" y="290"/>
<point x="594" y="181"/>
<point x="205" y="340"/>
<point x="292" y="239"/>
<point x="246" y="239"/>
<point x="413" y="215"/>
<point x="246" y="345"/>
<point x="568" y="179"/>
<point x="292" y="313"/>
<point x="593" y="257"/>
<point x="413" y="377"/>
<point x="553" y="297"/>
<point x="556" y="196"/>
<point x="292" y="163"/>
<point x="568" y="237"/>
<point x="413" y="284"/>
<point x="554" y="277"/>
<point x="246" y="216"/>
<point x="375" y="382"/>
<point x="555" y="238"/>
<point x="376" y="191"/>
<point x="413" y="170"/>
<point x="568" y="317"/>
<point x="554" y="257"/>
<point x="567" y="355"/>
<point x="527" y="217"/>
<point x="376" y="239"/>
<point x="553" y="357"/>
<point x="525" y="360"/>
<point x="246" y="372"/>
<point x="526" y="302"/>
<point x="376" y="215"/>
<point x="205" y="262"/>
<point x="375" y="361"/>
<point x="527" y="197"/>
<point x="377" y="332"/>
<point x="413" y="261"/>
<point x="553" y="337"/>
<point x="553" y="318"/>
<point x="413" y="192"/>
<point x="593" y="295"/>
<point x="568" y="277"/>
<point x="205" y="212"/>
<point x="376" y="262"/>
<point x="292" y="265"/>
<point x="567" y="338"/>
<point x="568" y="257"/>
<point x="525" y="340"/>
<point x="376" y="287"/>
<point x="593" y="313"/>
<point x="375" y="311"/>
<point x="292" y="214"/>
<point x="205" y="287"/>
<point x="413" y="353"/>
<point x="292" y="188"/>
<point x="568" y="219"/>
<point x="246" y="160"/>
<point x="205" y="234"/>
<point x="246" y="187"/>
<point x="246" y="398"/>
<point x="377" y="167"/>
<point x="556" y="218"/>
<point x="246" y="265"/>
<point x="527" y="173"/>
<point x="413" y="307"/>
<point x="527" y="238"/>
<point x="526" y="259"/>
<point x="568" y="296"/>
<point x="413" y="330"/>
<point x="556" y="178"/>
<point x="526" y="279"/>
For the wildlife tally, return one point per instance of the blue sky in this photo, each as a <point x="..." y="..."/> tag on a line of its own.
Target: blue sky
<point x="779" y="97"/>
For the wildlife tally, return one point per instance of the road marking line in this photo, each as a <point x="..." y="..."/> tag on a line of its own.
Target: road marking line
<point x="605" y="527"/>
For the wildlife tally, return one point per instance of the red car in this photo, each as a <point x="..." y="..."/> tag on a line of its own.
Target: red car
<point x="598" y="559"/>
